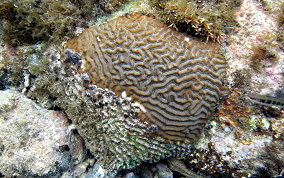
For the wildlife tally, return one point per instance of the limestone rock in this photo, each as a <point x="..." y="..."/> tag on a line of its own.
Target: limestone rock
<point x="32" y="139"/>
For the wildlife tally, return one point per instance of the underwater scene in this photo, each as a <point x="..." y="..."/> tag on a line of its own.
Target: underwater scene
<point x="142" y="88"/>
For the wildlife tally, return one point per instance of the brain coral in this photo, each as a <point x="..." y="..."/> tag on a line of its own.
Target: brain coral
<point x="174" y="78"/>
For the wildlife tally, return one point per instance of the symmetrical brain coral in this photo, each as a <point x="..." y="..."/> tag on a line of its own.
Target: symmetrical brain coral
<point x="174" y="78"/>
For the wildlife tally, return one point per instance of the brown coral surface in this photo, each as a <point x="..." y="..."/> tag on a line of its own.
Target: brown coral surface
<point x="176" y="78"/>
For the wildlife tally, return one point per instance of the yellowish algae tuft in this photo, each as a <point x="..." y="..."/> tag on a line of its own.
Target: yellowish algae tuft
<point x="211" y="19"/>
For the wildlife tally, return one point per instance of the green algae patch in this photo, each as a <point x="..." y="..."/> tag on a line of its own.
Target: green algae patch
<point x="30" y="21"/>
<point x="211" y="19"/>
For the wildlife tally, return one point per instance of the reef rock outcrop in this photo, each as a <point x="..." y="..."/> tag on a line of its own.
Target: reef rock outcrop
<point x="32" y="138"/>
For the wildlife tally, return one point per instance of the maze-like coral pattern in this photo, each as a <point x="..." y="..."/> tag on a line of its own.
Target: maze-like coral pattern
<point x="176" y="78"/>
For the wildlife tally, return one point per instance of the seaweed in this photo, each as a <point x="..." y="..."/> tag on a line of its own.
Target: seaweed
<point x="31" y="21"/>
<point x="212" y="19"/>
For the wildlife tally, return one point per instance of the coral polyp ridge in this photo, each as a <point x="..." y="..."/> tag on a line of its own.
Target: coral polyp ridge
<point x="174" y="81"/>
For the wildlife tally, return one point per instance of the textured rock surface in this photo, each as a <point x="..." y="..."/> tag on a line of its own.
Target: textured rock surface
<point x="31" y="137"/>
<point x="175" y="78"/>
<point x="255" y="57"/>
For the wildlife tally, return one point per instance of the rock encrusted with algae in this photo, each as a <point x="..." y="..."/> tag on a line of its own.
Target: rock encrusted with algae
<point x="31" y="138"/>
<point x="242" y="141"/>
